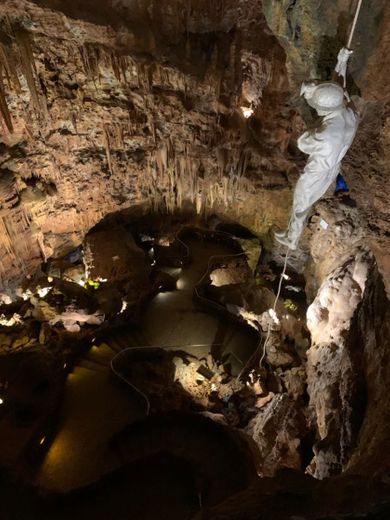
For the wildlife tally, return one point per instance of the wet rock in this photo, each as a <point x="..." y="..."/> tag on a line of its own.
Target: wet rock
<point x="217" y="417"/>
<point x="109" y="299"/>
<point x="73" y="318"/>
<point x="44" y="333"/>
<point x="163" y="281"/>
<point x="170" y="252"/>
<point x="187" y="374"/>
<point x="262" y="401"/>
<point x="5" y="339"/>
<point x="75" y="274"/>
<point x="252" y="249"/>
<point x="20" y="342"/>
<point x="43" y="311"/>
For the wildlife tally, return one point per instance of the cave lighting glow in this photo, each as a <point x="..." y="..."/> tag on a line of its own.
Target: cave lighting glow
<point x="247" y="112"/>
<point x="124" y="306"/>
<point x="274" y="316"/>
<point x="16" y="318"/>
<point x="43" y="291"/>
<point x="181" y="284"/>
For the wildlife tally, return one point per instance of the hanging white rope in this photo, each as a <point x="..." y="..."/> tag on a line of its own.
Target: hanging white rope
<point x="274" y="307"/>
<point x="254" y="355"/>
<point x="354" y="24"/>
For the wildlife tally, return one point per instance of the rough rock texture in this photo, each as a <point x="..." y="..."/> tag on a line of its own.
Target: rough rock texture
<point x="132" y="103"/>
<point x="113" y="255"/>
<point x="109" y="119"/>
<point x="347" y="361"/>
<point x="276" y="430"/>
<point x="336" y="384"/>
<point x="371" y="326"/>
<point x="124" y="104"/>
<point x="312" y="32"/>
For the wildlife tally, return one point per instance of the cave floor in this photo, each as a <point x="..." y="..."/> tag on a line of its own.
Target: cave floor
<point x="173" y="319"/>
<point x="96" y="406"/>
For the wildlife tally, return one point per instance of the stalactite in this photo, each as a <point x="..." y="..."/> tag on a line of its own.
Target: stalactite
<point x="222" y="160"/>
<point x="3" y="104"/>
<point x="120" y="66"/>
<point x="29" y="68"/>
<point x="161" y="157"/>
<point x="5" y="238"/>
<point x="90" y="57"/>
<point x="9" y="71"/>
<point x="106" y="136"/>
<point x="8" y="60"/>
<point x="225" y="186"/>
<point x="198" y="203"/>
<point x="144" y="77"/>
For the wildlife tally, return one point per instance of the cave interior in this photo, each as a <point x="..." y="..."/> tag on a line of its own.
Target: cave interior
<point x="161" y="354"/>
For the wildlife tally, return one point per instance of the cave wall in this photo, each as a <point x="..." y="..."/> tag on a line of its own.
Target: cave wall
<point x="311" y="33"/>
<point x="96" y="120"/>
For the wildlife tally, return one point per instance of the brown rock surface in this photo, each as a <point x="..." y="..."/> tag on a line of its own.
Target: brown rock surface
<point x="276" y="429"/>
<point x="113" y="255"/>
<point x="108" y="128"/>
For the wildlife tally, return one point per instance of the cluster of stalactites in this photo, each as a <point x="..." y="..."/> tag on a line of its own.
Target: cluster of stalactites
<point x="173" y="177"/>
<point x="16" y="60"/>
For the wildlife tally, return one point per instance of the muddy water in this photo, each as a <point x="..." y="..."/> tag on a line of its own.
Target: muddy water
<point x="176" y="319"/>
<point x="95" y="405"/>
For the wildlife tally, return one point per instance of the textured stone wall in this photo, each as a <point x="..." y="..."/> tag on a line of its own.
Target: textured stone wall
<point x="311" y="33"/>
<point x="97" y="120"/>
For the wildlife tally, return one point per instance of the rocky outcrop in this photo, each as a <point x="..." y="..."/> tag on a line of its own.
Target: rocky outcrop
<point x="128" y="104"/>
<point x="277" y="429"/>
<point x="113" y="255"/>
<point x="371" y="330"/>
<point x="311" y="33"/>
<point x="335" y="377"/>
<point x="348" y="349"/>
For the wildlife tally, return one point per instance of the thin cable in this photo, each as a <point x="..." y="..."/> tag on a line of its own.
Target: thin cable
<point x="209" y="262"/>
<point x="187" y="255"/>
<point x="144" y="347"/>
<point x="135" y="388"/>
